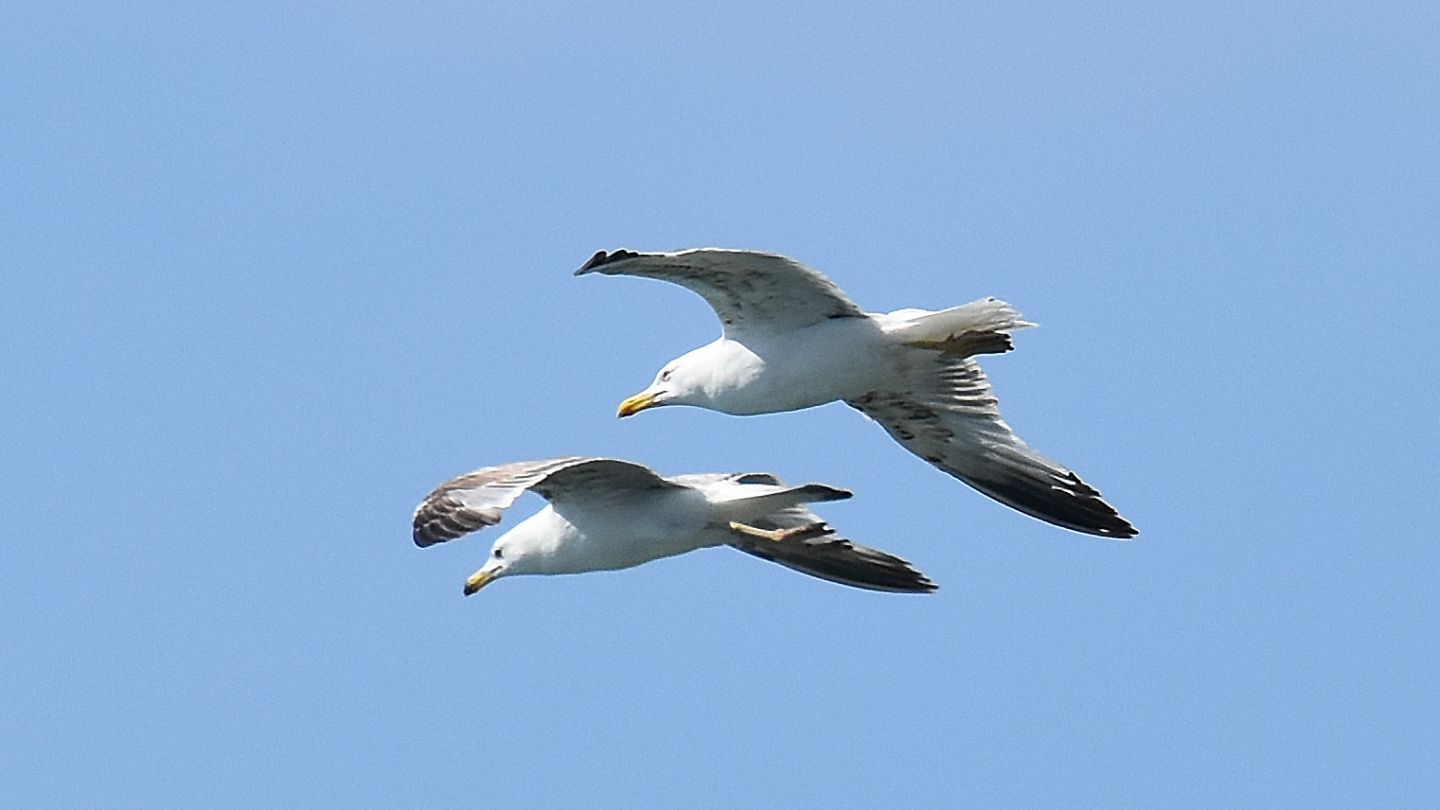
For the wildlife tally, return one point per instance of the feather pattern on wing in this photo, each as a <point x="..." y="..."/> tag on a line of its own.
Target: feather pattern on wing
<point x="832" y="558"/>
<point x="749" y="290"/>
<point x="950" y="419"/>
<point x="475" y="500"/>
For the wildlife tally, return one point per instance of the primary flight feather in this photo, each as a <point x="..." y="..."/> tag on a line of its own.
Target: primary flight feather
<point x="792" y="339"/>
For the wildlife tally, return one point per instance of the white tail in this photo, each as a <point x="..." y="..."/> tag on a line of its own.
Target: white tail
<point x="978" y="327"/>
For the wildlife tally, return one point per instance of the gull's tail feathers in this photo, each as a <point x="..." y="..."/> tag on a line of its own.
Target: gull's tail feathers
<point x="979" y="327"/>
<point x="754" y="500"/>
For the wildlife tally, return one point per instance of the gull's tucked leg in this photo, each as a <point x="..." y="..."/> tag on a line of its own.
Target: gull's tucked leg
<point x="781" y="535"/>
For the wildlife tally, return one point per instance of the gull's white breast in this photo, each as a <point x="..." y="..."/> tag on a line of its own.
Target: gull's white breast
<point x="629" y="531"/>
<point x="833" y="360"/>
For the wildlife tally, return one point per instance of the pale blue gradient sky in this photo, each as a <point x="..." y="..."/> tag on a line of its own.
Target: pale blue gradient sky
<point x="269" y="274"/>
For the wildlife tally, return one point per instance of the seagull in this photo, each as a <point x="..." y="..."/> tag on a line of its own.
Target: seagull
<point x="792" y="339"/>
<point x="605" y="514"/>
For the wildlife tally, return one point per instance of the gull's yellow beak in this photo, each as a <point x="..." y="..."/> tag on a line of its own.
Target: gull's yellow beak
<point x="480" y="579"/>
<point x="636" y="404"/>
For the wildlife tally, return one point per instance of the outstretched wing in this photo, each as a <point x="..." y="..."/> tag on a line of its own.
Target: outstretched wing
<point x="475" y="500"/>
<point x="749" y="291"/>
<point x="952" y="421"/>
<point x="833" y="558"/>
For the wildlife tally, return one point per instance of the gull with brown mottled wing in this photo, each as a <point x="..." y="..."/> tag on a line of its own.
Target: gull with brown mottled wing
<point x="605" y="514"/>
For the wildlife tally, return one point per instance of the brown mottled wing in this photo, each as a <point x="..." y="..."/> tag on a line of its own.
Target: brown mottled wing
<point x="749" y="291"/>
<point x="953" y="422"/>
<point x="475" y="500"/>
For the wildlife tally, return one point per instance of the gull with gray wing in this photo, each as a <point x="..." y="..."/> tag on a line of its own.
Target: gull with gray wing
<point x="792" y="339"/>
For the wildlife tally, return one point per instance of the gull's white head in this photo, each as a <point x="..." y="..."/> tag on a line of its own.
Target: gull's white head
<point x="528" y="548"/>
<point x="675" y="384"/>
<point x="703" y="377"/>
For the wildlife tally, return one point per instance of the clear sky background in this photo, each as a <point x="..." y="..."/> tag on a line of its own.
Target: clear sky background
<point x="268" y="274"/>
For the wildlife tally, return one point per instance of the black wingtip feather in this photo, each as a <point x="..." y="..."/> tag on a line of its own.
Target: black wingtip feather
<point x="601" y="258"/>
<point x="1076" y="506"/>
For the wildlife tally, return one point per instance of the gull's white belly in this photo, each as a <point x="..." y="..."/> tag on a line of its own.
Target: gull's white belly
<point x="630" y="532"/>
<point x="834" y="360"/>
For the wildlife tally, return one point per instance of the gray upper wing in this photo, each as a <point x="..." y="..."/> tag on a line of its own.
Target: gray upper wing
<point x="602" y="478"/>
<point x="475" y="500"/>
<point x="700" y="479"/>
<point x="749" y="290"/>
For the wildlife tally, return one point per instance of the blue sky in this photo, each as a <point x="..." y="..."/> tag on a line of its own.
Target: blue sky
<point x="268" y="274"/>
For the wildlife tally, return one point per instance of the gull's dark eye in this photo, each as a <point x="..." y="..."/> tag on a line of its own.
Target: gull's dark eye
<point x="499" y="555"/>
<point x="665" y="375"/>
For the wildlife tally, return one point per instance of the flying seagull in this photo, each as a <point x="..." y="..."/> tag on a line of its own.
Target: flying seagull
<point x="792" y="339"/>
<point x="605" y="514"/>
